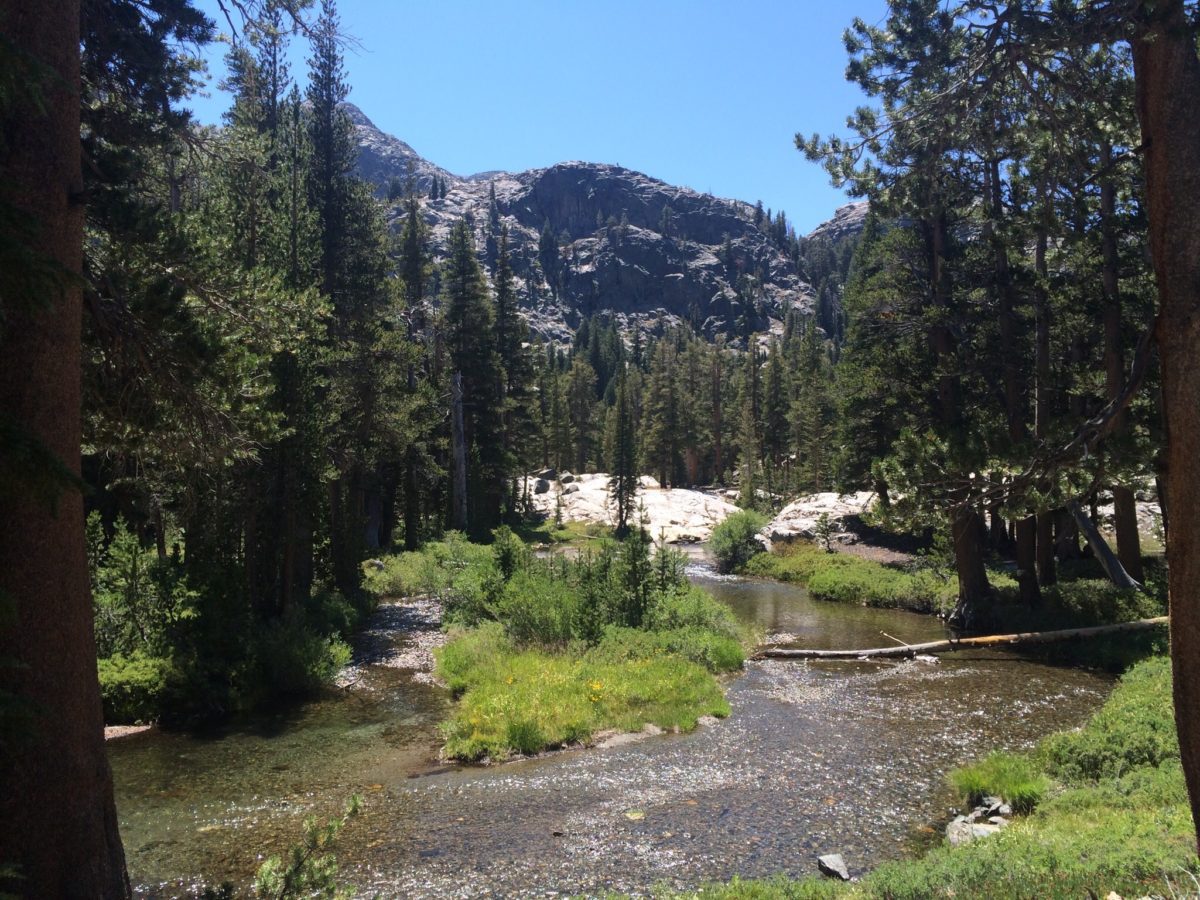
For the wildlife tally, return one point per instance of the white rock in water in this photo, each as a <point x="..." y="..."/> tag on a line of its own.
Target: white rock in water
<point x="834" y="866"/>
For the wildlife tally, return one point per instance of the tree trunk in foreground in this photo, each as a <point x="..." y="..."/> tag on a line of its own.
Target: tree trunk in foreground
<point x="1167" y="78"/>
<point x="56" y="800"/>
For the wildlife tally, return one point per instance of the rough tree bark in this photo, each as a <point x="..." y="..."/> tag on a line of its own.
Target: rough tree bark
<point x="56" y="800"/>
<point x="1167" y="80"/>
<point x="975" y="593"/>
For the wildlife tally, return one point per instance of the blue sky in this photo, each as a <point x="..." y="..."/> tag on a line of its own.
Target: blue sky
<point x="706" y="94"/>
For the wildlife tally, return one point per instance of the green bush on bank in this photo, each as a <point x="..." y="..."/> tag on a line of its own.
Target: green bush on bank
<point x="735" y="540"/>
<point x="843" y="578"/>
<point x="1115" y="818"/>
<point x="169" y="650"/>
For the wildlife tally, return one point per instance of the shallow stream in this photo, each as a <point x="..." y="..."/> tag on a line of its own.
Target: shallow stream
<point x="817" y="757"/>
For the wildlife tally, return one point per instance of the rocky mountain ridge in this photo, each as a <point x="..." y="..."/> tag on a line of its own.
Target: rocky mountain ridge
<point x="645" y="251"/>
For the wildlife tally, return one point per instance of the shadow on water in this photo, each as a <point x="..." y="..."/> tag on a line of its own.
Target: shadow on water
<point x="817" y="757"/>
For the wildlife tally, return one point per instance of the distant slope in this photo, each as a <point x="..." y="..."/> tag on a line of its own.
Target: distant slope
<point x="713" y="266"/>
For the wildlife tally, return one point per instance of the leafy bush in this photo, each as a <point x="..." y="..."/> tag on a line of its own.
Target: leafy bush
<point x="1008" y="775"/>
<point x="690" y="607"/>
<point x="538" y="610"/>
<point x="133" y="687"/>
<point x="454" y="570"/>
<point x="734" y="541"/>
<point x="294" y="658"/>
<point x="1134" y="729"/>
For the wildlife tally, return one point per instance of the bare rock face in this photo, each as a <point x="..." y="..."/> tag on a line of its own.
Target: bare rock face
<point x="847" y="221"/>
<point x="648" y="252"/>
<point x="675" y="515"/>
<point x="799" y="519"/>
<point x="382" y="157"/>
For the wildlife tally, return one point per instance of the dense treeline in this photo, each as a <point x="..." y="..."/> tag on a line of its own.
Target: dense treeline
<point x="277" y="386"/>
<point x="1037" y="163"/>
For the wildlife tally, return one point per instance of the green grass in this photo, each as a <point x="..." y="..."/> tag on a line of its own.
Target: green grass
<point x="548" y="652"/>
<point x="515" y="700"/>
<point x="1113" y="816"/>
<point x="568" y="534"/>
<point x="1080" y="598"/>
<point x="843" y="578"/>
<point x="1010" y="776"/>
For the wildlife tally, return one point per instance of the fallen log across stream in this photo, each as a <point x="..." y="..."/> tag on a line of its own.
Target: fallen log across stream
<point x="992" y="640"/>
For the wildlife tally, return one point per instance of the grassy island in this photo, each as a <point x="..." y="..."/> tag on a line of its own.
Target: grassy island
<point x="550" y="652"/>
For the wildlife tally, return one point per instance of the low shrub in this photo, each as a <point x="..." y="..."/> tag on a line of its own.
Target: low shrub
<point x="294" y="658"/>
<point x="133" y="686"/>
<point x="1134" y="729"/>
<point x="689" y="607"/>
<point x="537" y="610"/>
<point x="735" y="540"/>
<point x="1013" y="777"/>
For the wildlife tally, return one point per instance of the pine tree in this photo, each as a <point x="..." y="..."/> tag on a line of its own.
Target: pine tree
<point x="471" y="341"/>
<point x="331" y="135"/>
<point x="517" y="366"/>
<point x="661" y="422"/>
<point x="750" y="429"/>
<point x="623" y="482"/>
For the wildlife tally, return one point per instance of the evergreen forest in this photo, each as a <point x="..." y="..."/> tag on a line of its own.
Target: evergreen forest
<point x="252" y="397"/>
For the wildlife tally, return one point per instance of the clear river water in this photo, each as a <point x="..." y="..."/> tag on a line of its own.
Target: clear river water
<point x="817" y="757"/>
